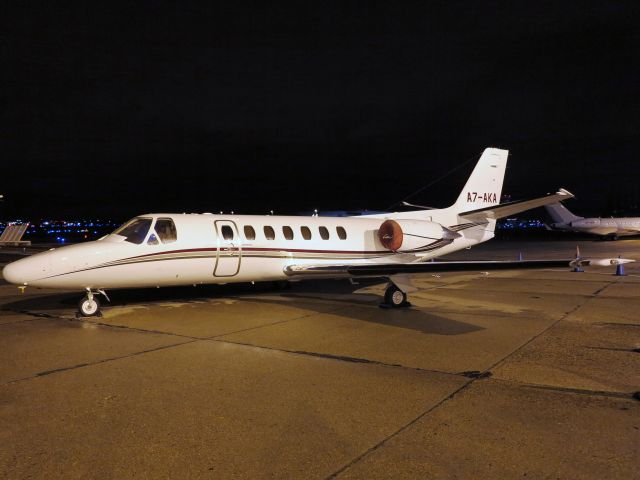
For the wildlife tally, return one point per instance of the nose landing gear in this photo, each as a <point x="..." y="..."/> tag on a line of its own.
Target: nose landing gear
<point x="89" y="306"/>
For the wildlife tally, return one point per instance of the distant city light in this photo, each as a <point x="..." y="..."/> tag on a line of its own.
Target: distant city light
<point x="64" y="231"/>
<point x="514" y="224"/>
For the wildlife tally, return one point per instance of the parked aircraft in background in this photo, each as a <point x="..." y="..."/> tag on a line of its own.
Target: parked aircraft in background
<point x="607" y="227"/>
<point x="178" y="249"/>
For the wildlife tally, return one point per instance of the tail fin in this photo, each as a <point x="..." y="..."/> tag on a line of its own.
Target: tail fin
<point x="484" y="186"/>
<point x="561" y="214"/>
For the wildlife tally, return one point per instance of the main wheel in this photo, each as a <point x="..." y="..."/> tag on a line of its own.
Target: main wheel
<point x="89" y="307"/>
<point x="394" y="297"/>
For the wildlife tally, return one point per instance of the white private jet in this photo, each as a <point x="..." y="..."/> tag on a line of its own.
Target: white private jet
<point x="173" y="249"/>
<point x="607" y="227"/>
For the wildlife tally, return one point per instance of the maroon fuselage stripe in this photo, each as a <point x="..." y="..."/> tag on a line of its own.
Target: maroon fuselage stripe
<point x="261" y="249"/>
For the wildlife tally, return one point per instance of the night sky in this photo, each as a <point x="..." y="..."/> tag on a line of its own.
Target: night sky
<point x="158" y="106"/>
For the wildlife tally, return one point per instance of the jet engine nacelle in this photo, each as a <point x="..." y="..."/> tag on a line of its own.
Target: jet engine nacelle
<point x="407" y="235"/>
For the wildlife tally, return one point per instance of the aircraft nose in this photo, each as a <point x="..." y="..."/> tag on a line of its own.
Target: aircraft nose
<point x="14" y="273"/>
<point x="18" y="272"/>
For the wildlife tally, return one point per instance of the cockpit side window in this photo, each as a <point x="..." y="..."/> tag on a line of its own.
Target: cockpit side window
<point x="166" y="230"/>
<point x="135" y="230"/>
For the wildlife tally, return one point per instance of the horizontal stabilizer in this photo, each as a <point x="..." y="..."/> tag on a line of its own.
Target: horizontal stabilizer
<point x="511" y="208"/>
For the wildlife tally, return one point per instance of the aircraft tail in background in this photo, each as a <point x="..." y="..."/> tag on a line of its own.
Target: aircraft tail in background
<point x="561" y="214"/>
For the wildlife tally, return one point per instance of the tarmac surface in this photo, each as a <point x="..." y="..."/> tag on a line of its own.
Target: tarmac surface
<point x="508" y="375"/>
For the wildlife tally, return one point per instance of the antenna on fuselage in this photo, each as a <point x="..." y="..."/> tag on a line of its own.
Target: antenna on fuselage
<point x="433" y="182"/>
<point x="423" y="207"/>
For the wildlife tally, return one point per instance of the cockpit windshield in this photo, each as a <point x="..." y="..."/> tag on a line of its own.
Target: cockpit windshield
<point x="135" y="230"/>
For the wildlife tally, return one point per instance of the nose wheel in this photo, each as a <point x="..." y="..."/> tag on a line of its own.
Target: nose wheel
<point x="89" y="306"/>
<point x="394" y="298"/>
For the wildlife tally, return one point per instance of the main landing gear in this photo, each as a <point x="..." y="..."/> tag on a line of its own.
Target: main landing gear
<point x="89" y="306"/>
<point x="394" y="298"/>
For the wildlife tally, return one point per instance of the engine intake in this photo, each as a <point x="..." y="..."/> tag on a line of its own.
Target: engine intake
<point x="408" y="235"/>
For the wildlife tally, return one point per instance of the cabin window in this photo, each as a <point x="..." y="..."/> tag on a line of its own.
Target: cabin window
<point x="269" y="233"/>
<point x="342" y="233"/>
<point x="227" y="232"/>
<point x="166" y="230"/>
<point x="135" y="230"/>
<point x="287" y="232"/>
<point x="324" y="233"/>
<point x="306" y="233"/>
<point x="249" y="232"/>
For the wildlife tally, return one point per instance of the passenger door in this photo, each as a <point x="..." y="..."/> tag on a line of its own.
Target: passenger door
<point x="229" y="253"/>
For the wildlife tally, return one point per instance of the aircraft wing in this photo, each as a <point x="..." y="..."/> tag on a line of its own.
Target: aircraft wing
<point x="506" y="209"/>
<point x="390" y="269"/>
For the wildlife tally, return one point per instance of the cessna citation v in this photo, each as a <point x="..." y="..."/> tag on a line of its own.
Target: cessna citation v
<point x="170" y="249"/>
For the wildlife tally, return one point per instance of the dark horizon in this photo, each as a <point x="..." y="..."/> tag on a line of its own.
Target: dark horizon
<point x="155" y="107"/>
